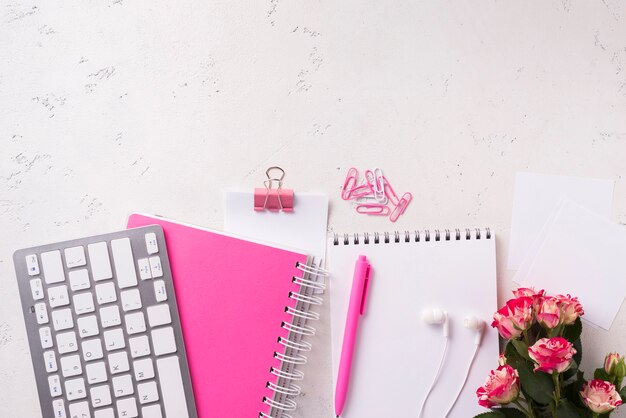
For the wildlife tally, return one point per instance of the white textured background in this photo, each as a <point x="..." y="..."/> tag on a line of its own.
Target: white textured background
<point x="113" y="106"/>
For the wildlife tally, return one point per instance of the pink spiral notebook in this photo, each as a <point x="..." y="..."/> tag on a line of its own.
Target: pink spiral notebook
<point x="243" y="308"/>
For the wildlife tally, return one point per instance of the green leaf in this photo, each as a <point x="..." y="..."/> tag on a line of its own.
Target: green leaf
<point x="522" y="348"/>
<point x="572" y="391"/>
<point x="571" y="372"/>
<point x="578" y="345"/>
<point x="538" y="385"/>
<point x="572" y="332"/>
<point x="622" y="394"/>
<point x="568" y="410"/>
<point x="492" y="414"/>
<point x="513" y="358"/>
<point x="512" y="413"/>
<point x="600" y="373"/>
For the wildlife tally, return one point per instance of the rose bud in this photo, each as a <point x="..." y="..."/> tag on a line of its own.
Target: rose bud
<point x="514" y="317"/>
<point x="571" y="308"/>
<point x="600" y="396"/>
<point x="500" y="388"/>
<point x="549" y="314"/>
<point x="552" y="355"/>
<point x="614" y="365"/>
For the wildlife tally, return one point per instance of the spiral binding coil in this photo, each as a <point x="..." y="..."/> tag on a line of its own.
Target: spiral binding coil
<point x="294" y="345"/>
<point x="413" y="236"/>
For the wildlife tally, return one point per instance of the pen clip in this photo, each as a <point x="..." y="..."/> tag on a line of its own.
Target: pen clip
<point x="366" y="284"/>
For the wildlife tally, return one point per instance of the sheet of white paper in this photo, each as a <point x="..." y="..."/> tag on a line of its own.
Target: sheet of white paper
<point x="537" y="195"/>
<point x="304" y="228"/>
<point x="581" y="253"/>
<point x="397" y="354"/>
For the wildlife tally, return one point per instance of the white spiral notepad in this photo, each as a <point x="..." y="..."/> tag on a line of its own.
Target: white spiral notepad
<point x="397" y="355"/>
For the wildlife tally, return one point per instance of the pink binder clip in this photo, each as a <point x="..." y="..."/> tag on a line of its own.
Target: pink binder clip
<point x="349" y="183"/>
<point x="271" y="198"/>
<point x="373" y="209"/>
<point x="401" y="206"/>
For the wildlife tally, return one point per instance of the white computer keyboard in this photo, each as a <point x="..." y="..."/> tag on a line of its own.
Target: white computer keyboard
<point x="103" y="327"/>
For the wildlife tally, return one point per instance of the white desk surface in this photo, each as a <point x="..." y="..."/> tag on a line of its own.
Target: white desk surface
<point x="116" y="106"/>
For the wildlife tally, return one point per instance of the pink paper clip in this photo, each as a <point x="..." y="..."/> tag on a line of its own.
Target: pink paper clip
<point x="401" y="206"/>
<point x="373" y="209"/>
<point x="393" y="197"/>
<point x="349" y="184"/>
<point x="360" y="190"/>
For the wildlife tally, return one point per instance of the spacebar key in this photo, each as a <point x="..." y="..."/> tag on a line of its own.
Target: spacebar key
<point x="172" y="388"/>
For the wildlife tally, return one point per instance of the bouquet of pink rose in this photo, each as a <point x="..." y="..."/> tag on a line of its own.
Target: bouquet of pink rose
<point x="538" y="374"/>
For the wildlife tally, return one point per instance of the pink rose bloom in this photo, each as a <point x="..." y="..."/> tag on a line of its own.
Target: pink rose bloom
<point x="500" y="388"/>
<point x="570" y="308"/>
<point x="549" y="313"/>
<point x="552" y="354"/>
<point x="530" y="292"/>
<point x="615" y="365"/>
<point x="514" y="317"/>
<point x="600" y="396"/>
<point x="501" y="360"/>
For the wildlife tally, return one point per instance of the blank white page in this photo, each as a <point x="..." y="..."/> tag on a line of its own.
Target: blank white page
<point x="581" y="253"/>
<point x="396" y="356"/>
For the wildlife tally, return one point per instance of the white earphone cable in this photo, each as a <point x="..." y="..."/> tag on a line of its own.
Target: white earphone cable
<point x="432" y="386"/>
<point x="469" y="368"/>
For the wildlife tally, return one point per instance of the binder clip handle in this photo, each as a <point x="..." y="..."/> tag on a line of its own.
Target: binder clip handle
<point x="272" y="196"/>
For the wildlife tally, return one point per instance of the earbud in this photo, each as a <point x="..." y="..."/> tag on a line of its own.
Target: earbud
<point x="472" y="322"/>
<point x="437" y="317"/>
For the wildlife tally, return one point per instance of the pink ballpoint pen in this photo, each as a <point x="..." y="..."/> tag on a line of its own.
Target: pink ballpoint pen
<point x="356" y="308"/>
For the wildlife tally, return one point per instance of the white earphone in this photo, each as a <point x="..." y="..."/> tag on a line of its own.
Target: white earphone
<point x="437" y="317"/>
<point x="440" y="317"/>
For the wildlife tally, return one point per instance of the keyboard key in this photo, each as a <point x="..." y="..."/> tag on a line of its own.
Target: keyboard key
<point x="66" y="342"/>
<point x="96" y="372"/>
<point x="131" y="300"/>
<point x="80" y="410"/>
<point x="135" y="323"/>
<point x="147" y="392"/>
<point x="100" y="396"/>
<point x="127" y="408"/>
<point x="155" y="266"/>
<point x="70" y="366"/>
<point x="104" y="413"/>
<point x="92" y="349"/>
<point x="36" y="289"/>
<point x="45" y="335"/>
<point x="172" y="388"/>
<point x="114" y="339"/>
<point x="122" y="386"/>
<point x="50" y="360"/>
<point x="143" y="369"/>
<point x="79" y="280"/>
<point x="152" y="411"/>
<point x="144" y="269"/>
<point x="163" y="341"/>
<point x="41" y="312"/>
<point x="57" y="296"/>
<point x="159" y="290"/>
<point x="87" y="326"/>
<point x="110" y="316"/>
<point x="55" y="385"/>
<point x="83" y="303"/>
<point x="105" y="293"/>
<point x="159" y="315"/>
<point x="118" y="362"/>
<point x="62" y="319"/>
<point x="75" y="389"/>
<point x="139" y="346"/>
<point x="32" y="265"/>
<point x="58" y="408"/>
<point x="151" y="243"/>
<point x="75" y="257"/>
<point x="124" y="263"/>
<point x="100" y="262"/>
<point x="52" y="267"/>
